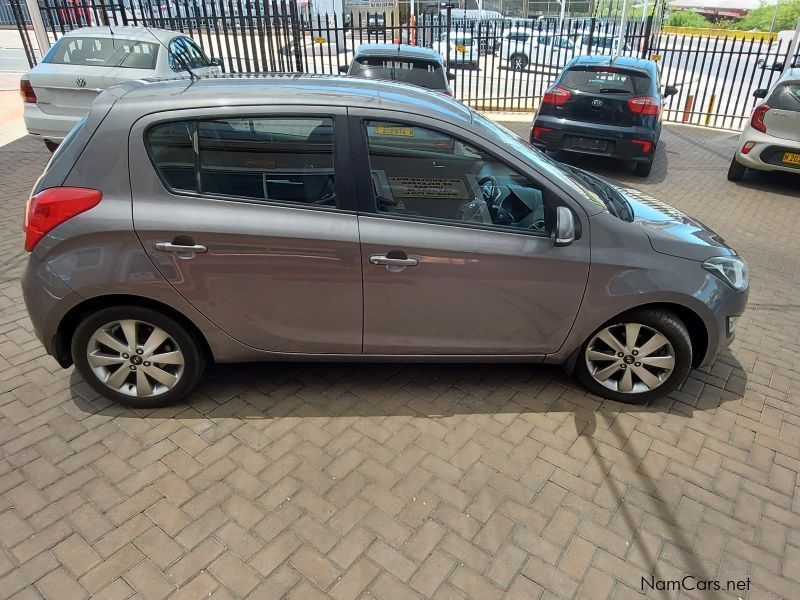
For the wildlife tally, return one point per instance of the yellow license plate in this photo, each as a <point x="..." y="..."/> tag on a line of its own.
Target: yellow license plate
<point x="461" y="48"/>
<point x="395" y="131"/>
<point x="791" y="158"/>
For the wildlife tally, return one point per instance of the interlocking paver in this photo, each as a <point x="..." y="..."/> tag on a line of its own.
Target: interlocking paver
<point x="409" y="481"/>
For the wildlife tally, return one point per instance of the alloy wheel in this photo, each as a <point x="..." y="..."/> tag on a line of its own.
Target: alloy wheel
<point x="630" y="358"/>
<point x="135" y="358"/>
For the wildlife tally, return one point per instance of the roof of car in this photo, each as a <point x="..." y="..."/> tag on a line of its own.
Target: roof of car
<point x="144" y="34"/>
<point x="620" y="61"/>
<point x="398" y="50"/>
<point x="287" y="89"/>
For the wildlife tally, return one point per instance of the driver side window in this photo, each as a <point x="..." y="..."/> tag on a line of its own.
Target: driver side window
<point x="418" y="172"/>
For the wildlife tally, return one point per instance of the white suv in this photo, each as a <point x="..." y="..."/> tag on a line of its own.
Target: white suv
<point x="523" y="47"/>
<point x="771" y="140"/>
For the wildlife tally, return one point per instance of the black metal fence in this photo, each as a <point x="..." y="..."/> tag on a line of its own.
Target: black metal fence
<point x="498" y="63"/>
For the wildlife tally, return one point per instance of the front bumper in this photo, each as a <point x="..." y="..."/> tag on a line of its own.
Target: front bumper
<point x="767" y="151"/>
<point x="48" y="126"/>
<point x="561" y="134"/>
<point x="728" y="305"/>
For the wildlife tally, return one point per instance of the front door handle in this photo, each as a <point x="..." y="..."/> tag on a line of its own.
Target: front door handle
<point x="170" y="247"/>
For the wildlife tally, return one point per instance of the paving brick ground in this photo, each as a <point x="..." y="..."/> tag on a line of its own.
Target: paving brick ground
<point x="393" y="481"/>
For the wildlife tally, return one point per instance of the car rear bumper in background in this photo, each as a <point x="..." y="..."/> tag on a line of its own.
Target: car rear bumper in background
<point x="46" y="125"/>
<point x="630" y="143"/>
<point x="767" y="152"/>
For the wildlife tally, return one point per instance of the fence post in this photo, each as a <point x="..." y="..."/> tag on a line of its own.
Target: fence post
<point x="590" y="41"/>
<point x="647" y="43"/>
<point x="38" y="26"/>
<point x="295" y="25"/>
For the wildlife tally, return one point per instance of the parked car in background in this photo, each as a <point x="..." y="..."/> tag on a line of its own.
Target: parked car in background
<point x="601" y="43"/>
<point x="58" y="91"/>
<point x="523" y="47"/>
<point x="400" y="62"/>
<point x="457" y="49"/>
<point x="778" y="52"/>
<point x="605" y="106"/>
<point x="770" y="141"/>
<point x="335" y="218"/>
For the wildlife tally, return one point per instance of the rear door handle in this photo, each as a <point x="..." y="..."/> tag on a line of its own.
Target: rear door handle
<point x="170" y="247"/>
<point x="379" y="259"/>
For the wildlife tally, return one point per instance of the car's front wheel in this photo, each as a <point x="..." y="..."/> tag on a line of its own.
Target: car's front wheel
<point x="640" y="356"/>
<point x="137" y="356"/>
<point x="519" y="62"/>
<point x="736" y="171"/>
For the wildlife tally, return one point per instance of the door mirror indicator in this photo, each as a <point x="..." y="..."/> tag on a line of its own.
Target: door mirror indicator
<point x="564" y="234"/>
<point x="760" y="93"/>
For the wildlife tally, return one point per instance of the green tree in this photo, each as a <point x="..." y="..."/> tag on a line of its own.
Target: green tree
<point x="687" y="18"/>
<point x="760" y="18"/>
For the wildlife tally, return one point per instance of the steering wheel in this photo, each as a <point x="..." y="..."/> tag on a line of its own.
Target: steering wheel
<point x="490" y="189"/>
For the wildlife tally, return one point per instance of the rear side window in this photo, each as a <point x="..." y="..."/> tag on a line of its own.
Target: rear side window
<point x="597" y="80"/>
<point x="786" y="97"/>
<point x="104" y="52"/>
<point x="423" y="73"/>
<point x="258" y="159"/>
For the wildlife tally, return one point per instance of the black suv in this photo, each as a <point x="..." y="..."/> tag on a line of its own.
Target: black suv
<point x="603" y="105"/>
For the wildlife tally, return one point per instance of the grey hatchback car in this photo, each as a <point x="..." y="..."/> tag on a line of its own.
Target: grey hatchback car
<point x="338" y="219"/>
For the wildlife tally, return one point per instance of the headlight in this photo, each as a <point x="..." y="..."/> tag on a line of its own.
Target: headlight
<point x="731" y="269"/>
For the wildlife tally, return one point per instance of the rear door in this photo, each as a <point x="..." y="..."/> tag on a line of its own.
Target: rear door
<point x="77" y="69"/>
<point x="602" y="94"/>
<point x="249" y="215"/>
<point x="783" y="117"/>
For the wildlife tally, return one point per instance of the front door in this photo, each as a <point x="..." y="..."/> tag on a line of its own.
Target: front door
<point x="457" y="256"/>
<point x="246" y="218"/>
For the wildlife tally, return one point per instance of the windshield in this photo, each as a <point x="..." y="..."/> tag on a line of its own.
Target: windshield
<point x="506" y="137"/>
<point x="595" y="80"/>
<point x="419" y="72"/>
<point x="103" y="52"/>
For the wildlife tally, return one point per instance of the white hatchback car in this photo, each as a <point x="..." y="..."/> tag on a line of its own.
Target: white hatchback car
<point x="58" y="91"/>
<point x="771" y="139"/>
<point x="457" y="49"/>
<point x="522" y="47"/>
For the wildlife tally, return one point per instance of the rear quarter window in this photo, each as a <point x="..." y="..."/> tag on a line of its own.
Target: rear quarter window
<point x="786" y="97"/>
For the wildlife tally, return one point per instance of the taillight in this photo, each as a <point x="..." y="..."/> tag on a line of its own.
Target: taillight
<point x="747" y="147"/>
<point x="645" y="105"/>
<point x="538" y="132"/>
<point x="26" y="91"/>
<point x="557" y="96"/>
<point x="757" y="118"/>
<point x="51" y="207"/>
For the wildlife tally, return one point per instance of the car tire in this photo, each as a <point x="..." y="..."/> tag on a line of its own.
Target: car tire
<point x="519" y="62"/>
<point x="668" y="364"/>
<point x="642" y="169"/>
<point x="736" y="171"/>
<point x="105" y="334"/>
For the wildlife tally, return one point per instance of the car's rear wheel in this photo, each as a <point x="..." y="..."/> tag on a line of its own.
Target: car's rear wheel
<point x="736" y="171"/>
<point x="137" y="356"/>
<point x="642" y="169"/>
<point x="519" y="62"/>
<point x="640" y="356"/>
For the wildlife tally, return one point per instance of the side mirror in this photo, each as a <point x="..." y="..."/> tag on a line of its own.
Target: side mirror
<point x="216" y="62"/>
<point x="565" y="227"/>
<point x="344" y="69"/>
<point x="778" y="66"/>
<point x="760" y="93"/>
<point x="670" y="90"/>
<point x="451" y="76"/>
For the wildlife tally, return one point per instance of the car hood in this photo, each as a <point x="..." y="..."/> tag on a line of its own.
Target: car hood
<point x="671" y="231"/>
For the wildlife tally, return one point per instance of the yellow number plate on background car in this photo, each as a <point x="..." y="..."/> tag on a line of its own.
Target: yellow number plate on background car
<point x="461" y="48"/>
<point x="791" y="158"/>
<point x="396" y="131"/>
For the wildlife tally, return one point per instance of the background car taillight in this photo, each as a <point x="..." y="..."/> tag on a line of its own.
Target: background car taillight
<point x="26" y="91"/>
<point x="757" y="118"/>
<point x="556" y="95"/>
<point x="51" y="207"/>
<point x="645" y="105"/>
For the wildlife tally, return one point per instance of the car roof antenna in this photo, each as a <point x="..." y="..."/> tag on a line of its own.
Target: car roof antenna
<point x="192" y="75"/>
